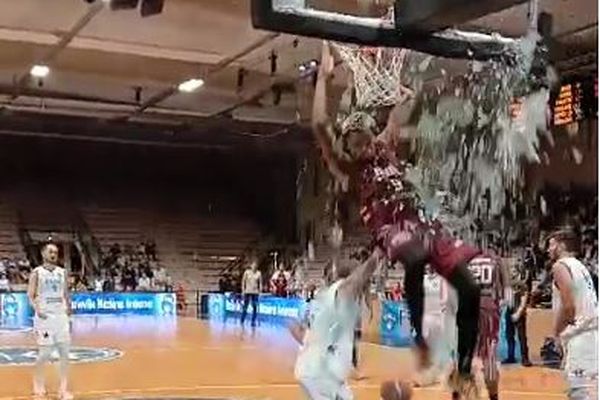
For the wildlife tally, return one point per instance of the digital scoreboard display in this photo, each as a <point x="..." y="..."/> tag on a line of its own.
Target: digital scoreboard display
<point x="567" y="106"/>
<point x="577" y="99"/>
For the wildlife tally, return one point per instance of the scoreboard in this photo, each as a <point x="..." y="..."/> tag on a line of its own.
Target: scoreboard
<point x="577" y="99"/>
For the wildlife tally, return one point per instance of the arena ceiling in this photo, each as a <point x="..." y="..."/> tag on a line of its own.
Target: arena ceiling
<point x="115" y="73"/>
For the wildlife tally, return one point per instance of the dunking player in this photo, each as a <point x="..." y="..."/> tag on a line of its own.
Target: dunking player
<point x="576" y="320"/>
<point x="362" y="161"/>
<point x="49" y="296"/>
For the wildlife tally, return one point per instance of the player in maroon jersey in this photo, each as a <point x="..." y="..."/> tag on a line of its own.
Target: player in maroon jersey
<point x="370" y="164"/>
<point x="492" y="279"/>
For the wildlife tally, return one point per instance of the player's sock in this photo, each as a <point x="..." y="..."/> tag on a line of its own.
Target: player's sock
<point x="39" y="382"/>
<point x="63" y="367"/>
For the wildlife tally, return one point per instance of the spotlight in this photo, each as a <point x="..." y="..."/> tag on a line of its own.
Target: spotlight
<point x="314" y="63"/>
<point x="190" y="85"/>
<point x="39" y="71"/>
<point x="152" y="7"/>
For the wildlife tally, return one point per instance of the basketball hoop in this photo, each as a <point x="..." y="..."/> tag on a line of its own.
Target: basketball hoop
<point x="376" y="72"/>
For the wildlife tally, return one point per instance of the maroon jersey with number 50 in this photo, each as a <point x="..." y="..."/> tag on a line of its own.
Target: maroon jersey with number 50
<point x="486" y="273"/>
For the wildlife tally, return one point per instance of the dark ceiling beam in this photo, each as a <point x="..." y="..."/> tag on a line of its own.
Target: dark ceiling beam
<point x="221" y="65"/>
<point x="435" y="15"/>
<point x="46" y="59"/>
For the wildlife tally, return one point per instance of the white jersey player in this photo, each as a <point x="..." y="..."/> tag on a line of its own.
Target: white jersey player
<point x="576" y="317"/>
<point x="439" y="326"/>
<point x="324" y="361"/>
<point x="48" y="294"/>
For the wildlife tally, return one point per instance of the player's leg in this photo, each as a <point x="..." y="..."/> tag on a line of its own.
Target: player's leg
<point x="254" y="298"/>
<point x="581" y="367"/>
<point x="245" y="304"/>
<point x="415" y="299"/>
<point x="63" y="343"/>
<point x="63" y="369"/>
<point x="44" y="341"/>
<point x="39" y="380"/>
<point x="509" y="331"/>
<point x="324" y="389"/>
<point x="488" y="348"/>
<point x="467" y="316"/>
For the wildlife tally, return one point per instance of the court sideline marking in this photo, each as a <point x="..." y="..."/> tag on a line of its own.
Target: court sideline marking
<point x="259" y="386"/>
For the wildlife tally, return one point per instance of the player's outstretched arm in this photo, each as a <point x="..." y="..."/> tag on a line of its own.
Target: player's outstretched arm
<point x="322" y="125"/>
<point x="297" y="330"/>
<point x="353" y="286"/>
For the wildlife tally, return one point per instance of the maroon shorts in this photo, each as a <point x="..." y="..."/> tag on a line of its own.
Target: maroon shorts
<point x="444" y="253"/>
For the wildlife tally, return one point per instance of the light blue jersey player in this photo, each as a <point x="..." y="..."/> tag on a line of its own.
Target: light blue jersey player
<point x="325" y="358"/>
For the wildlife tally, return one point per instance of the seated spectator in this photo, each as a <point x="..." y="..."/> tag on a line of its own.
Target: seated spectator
<point x="115" y="250"/>
<point x="128" y="279"/>
<point x="151" y="250"/>
<point x="279" y="282"/>
<point x="108" y="285"/>
<point x="98" y="284"/>
<point x="144" y="283"/>
<point x="397" y="293"/>
<point x="160" y="277"/>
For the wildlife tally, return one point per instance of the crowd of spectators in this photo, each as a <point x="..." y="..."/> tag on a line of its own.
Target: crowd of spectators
<point x="124" y="268"/>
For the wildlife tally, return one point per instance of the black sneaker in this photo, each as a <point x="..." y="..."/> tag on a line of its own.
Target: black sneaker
<point x="509" y="361"/>
<point x="526" y="363"/>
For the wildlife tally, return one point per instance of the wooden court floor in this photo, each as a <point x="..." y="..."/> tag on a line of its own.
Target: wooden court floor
<point x="193" y="358"/>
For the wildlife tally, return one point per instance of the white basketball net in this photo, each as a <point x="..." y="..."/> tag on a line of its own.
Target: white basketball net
<point x="376" y="73"/>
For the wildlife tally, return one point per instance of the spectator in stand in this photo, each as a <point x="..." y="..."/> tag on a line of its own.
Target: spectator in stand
<point x="115" y="250"/>
<point x="279" y="282"/>
<point x="397" y="293"/>
<point x="4" y="283"/>
<point x="144" y="283"/>
<point x="98" y="284"/>
<point x="128" y="279"/>
<point x="109" y="283"/>
<point x="151" y="250"/>
<point x="160" y="278"/>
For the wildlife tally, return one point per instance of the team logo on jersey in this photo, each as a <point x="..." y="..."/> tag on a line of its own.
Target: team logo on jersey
<point x="10" y="356"/>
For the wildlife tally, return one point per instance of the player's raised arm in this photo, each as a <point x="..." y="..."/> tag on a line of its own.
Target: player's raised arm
<point x="353" y="286"/>
<point x="322" y="124"/>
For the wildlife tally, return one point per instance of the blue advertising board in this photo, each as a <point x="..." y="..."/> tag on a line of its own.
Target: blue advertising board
<point x="271" y="308"/>
<point x="15" y="309"/>
<point x="394" y="325"/>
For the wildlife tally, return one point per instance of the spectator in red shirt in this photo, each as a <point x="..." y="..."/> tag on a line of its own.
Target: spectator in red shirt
<point x="397" y="293"/>
<point x="279" y="282"/>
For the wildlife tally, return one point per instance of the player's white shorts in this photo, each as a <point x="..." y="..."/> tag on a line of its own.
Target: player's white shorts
<point x="53" y="330"/>
<point x="581" y="365"/>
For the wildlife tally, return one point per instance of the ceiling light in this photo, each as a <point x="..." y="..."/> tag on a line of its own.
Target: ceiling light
<point x="190" y="85"/>
<point x="39" y="71"/>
